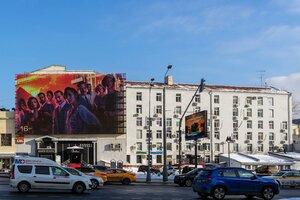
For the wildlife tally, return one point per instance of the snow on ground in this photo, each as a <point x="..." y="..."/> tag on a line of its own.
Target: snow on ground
<point x="143" y="175"/>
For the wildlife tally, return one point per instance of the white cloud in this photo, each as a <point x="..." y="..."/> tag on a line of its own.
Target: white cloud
<point x="289" y="83"/>
<point x="291" y="6"/>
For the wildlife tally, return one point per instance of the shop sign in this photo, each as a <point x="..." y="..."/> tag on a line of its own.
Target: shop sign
<point x="20" y="140"/>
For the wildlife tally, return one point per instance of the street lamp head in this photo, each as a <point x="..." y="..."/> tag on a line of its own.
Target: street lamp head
<point x="170" y="66"/>
<point x="152" y="79"/>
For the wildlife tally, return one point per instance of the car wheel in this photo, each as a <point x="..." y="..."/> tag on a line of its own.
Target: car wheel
<point x="126" y="181"/>
<point x="78" y="188"/>
<point x="188" y="183"/>
<point x="218" y="193"/>
<point x="95" y="183"/>
<point x="268" y="193"/>
<point x="203" y="195"/>
<point x="249" y="196"/>
<point x="23" y="187"/>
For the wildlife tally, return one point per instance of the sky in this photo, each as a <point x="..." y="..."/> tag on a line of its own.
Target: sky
<point x="225" y="42"/>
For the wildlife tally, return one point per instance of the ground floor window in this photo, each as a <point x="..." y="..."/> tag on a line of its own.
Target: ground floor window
<point x="128" y="158"/>
<point x="158" y="158"/>
<point x="138" y="158"/>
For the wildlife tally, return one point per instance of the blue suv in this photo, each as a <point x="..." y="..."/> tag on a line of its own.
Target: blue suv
<point x="233" y="181"/>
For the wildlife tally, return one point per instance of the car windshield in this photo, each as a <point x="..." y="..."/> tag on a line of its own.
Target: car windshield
<point x="73" y="171"/>
<point x="279" y="174"/>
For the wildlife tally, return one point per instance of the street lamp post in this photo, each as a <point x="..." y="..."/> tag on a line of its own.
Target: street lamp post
<point x="229" y="140"/>
<point x="165" y="170"/>
<point x="148" y="178"/>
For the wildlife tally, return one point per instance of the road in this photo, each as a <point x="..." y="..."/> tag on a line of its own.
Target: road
<point x="136" y="191"/>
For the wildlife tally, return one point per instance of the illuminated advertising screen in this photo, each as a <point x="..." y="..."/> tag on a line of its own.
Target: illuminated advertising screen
<point x="196" y="126"/>
<point x="70" y="104"/>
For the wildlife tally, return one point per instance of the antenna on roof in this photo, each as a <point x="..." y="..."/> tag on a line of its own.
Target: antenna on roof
<point x="261" y="76"/>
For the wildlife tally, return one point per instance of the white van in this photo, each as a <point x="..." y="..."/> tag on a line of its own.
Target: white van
<point x="41" y="173"/>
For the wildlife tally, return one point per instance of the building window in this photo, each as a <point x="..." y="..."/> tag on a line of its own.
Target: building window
<point x="197" y="109"/>
<point x="235" y="124"/>
<point x="149" y="133"/>
<point x="260" y="113"/>
<point x="207" y="159"/>
<point x="139" y="159"/>
<point x="139" y="96"/>
<point x="178" y="110"/>
<point x="178" y="97"/>
<point x="249" y="112"/>
<point x="249" y="147"/>
<point x="235" y="112"/>
<point x="139" y="134"/>
<point x="260" y="136"/>
<point x="235" y="100"/>
<point x="169" y="134"/>
<point x="197" y="98"/>
<point x="139" y="109"/>
<point x="6" y="139"/>
<point x="216" y="99"/>
<point x="271" y="136"/>
<point x="235" y="147"/>
<point x="271" y="124"/>
<point x="139" y="121"/>
<point x="169" y="122"/>
<point x="217" y="159"/>
<point x="217" y="135"/>
<point x="217" y="123"/>
<point x="271" y="113"/>
<point x="159" y="121"/>
<point x="260" y="101"/>
<point x="216" y="111"/>
<point x="235" y="136"/>
<point x="284" y="125"/>
<point x="260" y="148"/>
<point x="159" y="146"/>
<point x="217" y="147"/>
<point x="148" y="121"/>
<point x="158" y="158"/>
<point x="285" y="136"/>
<point x="158" y="134"/>
<point x="188" y="147"/>
<point x="158" y="109"/>
<point x="260" y="124"/>
<point x="271" y="101"/>
<point x="271" y="147"/>
<point x="158" y="97"/>
<point x="128" y="158"/>
<point x="249" y="135"/>
<point x="206" y="146"/>
<point x="249" y="124"/>
<point x="249" y="100"/>
<point x="139" y="146"/>
<point x="169" y="146"/>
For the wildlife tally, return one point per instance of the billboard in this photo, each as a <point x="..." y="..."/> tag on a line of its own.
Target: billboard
<point x="196" y="126"/>
<point x="70" y="104"/>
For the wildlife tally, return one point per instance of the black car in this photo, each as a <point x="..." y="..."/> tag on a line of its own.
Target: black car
<point x="187" y="179"/>
<point x="144" y="168"/>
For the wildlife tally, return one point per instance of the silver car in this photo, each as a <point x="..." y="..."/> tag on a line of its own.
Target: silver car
<point x="97" y="182"/>
<point x="286" y="178"/>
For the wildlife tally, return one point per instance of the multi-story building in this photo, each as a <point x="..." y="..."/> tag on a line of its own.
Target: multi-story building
<point x="257" y="119"/>
<point x="7" y="139"/>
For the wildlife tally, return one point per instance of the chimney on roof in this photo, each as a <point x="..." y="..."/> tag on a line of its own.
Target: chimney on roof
<point x="169" y="80"/>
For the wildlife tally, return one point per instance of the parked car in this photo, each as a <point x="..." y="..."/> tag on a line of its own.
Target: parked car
<point x="41" y="173"/>
<point x="144" y="168"/>
<point x="120" y="175"/>
<point x="97" y="182"/>
<point x="186" y="179"/>
<point x="266" y="170"/>
<point x="290" y="178"/>
<point x="220" y="182"/>
<point x="91" y="171"/>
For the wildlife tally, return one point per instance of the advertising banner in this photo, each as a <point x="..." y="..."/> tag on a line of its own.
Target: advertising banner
<point x="196" y="126"/>
<point x="70" y="104"/>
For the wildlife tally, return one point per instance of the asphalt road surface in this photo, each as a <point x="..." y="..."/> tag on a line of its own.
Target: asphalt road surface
<point x="136" y="191"/>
